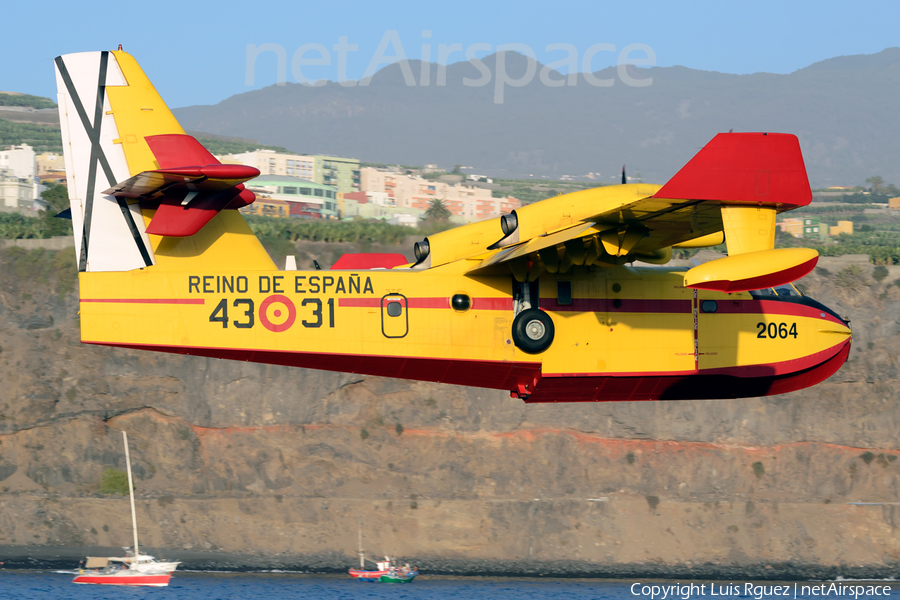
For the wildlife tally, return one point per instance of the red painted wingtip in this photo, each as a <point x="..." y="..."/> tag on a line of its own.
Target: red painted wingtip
<point x="760" y="168"/>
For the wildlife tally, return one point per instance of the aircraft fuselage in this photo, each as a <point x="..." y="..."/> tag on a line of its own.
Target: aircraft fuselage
<point x="620" y="333"/>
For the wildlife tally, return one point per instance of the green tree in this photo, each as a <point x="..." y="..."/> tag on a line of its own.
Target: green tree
<point x="875" y="181"/>
<point x="114" y="481"/>
<point x="57" y="199"/>
<point x="438" y="211"/>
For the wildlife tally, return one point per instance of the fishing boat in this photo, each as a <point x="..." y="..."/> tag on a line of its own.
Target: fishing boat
<point x="387" y="571"/>
<point x="134" y="569"/>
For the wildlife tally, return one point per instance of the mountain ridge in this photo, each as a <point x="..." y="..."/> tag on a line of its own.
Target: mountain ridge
<point x="841" y="109"/>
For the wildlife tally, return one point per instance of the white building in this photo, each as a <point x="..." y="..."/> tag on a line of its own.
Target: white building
<point x="270" y="162"/>
<point x="19" y="161"/>
<point x="17" y="193"/>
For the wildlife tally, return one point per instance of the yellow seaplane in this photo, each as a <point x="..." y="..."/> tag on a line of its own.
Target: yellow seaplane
<point x="546" y="302"/>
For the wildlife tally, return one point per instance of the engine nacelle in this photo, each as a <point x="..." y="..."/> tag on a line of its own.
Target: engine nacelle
<point x="456" y="244"/>
<point x="552" y="214"/>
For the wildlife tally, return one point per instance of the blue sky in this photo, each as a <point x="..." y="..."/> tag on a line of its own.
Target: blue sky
<point x="197" y="53"/>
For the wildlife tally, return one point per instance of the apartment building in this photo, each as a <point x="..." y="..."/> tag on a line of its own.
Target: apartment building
<point x="305" y="198"/>
<point x="468" y="203"/>
<point x="806" y="228"/>
<point x="270" y="162"/>
<point x="19" y="161"/>
<point x="340" y="173"/>
<point x="17" y="193"/>
<point x="50" y="163"/>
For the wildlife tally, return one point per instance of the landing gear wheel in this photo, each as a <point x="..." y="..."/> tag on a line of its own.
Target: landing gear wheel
<point x="533" y="331"/>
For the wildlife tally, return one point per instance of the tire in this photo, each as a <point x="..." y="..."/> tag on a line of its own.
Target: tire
<point x="533" y="331"/>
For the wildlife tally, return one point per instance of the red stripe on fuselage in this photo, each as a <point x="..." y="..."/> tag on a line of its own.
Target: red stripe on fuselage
<point x="439" y="302"/>
<point x="146" y="300"/>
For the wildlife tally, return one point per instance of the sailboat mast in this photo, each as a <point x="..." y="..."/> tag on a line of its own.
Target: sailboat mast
<point x="362" y="554"/>
<point x="131" y="497"/>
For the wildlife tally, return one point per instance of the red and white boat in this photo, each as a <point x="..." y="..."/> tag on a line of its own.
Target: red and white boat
<point x="387" y="571"/>
<point x="99" y="570"/>
<point x="134" y="569"/>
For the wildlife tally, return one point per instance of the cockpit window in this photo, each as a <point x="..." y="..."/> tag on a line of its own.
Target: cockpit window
<point x="787" y="290"/>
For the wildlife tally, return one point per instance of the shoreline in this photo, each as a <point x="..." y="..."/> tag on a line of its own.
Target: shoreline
<point x="68" y="557"/>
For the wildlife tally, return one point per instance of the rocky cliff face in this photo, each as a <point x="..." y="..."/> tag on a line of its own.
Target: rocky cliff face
<point x="254" y="465"/>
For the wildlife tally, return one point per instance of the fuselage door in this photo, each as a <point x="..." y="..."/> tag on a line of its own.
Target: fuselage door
<point x="394" y="316"/>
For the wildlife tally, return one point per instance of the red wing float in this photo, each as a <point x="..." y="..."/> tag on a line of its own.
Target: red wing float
<point x="545" y="302"/>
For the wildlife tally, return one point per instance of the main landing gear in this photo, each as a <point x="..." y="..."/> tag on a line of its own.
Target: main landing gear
<point x="532" y="329"/>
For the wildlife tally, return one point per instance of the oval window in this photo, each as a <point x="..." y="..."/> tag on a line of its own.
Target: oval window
<point x="394" y="309"/>
<point x="709" y="306"/>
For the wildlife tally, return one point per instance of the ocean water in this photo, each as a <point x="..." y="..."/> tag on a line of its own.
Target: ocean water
<point x="33" y="585"/>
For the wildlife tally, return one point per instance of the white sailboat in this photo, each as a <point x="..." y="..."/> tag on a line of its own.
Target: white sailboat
<point x="133" y="569"/>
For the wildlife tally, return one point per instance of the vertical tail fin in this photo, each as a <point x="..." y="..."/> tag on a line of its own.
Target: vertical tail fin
<point x="109" y="233"/>
<point x="118" y="134"/>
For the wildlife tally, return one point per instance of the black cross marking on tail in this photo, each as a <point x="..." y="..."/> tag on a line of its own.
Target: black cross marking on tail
<point x="97" y="157"/>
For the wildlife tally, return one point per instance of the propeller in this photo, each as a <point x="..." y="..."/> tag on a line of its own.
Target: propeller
<point x="624" y="179"/>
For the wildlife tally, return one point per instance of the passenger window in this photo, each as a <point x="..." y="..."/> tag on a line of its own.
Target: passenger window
<point x="394" y="309"/>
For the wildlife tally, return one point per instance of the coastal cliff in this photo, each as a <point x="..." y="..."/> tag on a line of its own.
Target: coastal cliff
<point x="241" y="465"/>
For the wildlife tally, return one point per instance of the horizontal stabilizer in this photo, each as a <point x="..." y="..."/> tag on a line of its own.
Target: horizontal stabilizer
<point x="759" y="168"/>
<point x="211" y="178"/>
<point x="191" y="185"/>
<point x="753" y="270"/>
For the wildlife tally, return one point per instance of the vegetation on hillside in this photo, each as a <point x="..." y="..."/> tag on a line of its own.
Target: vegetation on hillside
<point x="43" y="138"/>
<point x="220" y="147"/>
<point x="42" y="267"/>
<point x="322" y="230"/>
<point x="7" y="99"/>
<point x="114" y="481"/>
<point x="46" y="138"/>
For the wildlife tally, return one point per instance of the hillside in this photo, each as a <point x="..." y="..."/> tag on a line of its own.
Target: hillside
<point x="248" y="466"/>
<point x="842" y="109"/>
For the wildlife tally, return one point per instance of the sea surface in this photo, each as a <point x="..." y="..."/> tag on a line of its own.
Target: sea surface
<point x="29" y="585"/>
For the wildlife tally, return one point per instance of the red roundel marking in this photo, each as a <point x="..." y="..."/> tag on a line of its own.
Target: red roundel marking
<point x="264" y="307"/>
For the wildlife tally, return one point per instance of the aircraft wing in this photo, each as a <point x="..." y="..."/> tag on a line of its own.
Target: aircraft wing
<point x="730" y="191"/>
<point x="637" y="228"/>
